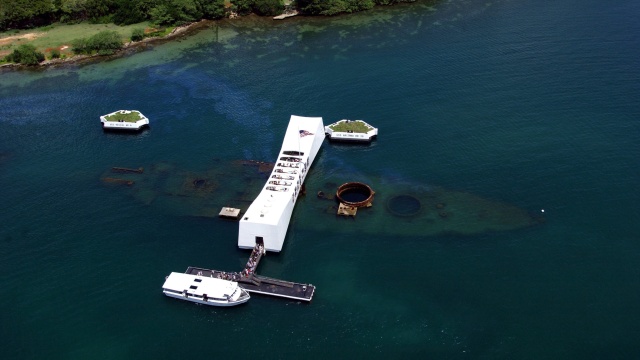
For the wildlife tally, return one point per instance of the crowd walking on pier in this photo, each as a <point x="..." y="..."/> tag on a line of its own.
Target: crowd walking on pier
<point x="249" y="269"/>
<point x="254" y="259"/>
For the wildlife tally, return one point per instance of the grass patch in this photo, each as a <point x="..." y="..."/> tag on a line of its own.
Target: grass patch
<point x="58" y="35"/>
<point x="164" y="31"/>
<point x="356" y="126"/>
<point x="131" y="117"/>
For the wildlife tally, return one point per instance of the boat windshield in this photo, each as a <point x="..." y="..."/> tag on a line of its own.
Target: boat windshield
<point x="236" y="294"/>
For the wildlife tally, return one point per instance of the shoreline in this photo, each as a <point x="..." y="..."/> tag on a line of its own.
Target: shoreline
<point x="183" y="31"/>
<point x="128" y="48"/>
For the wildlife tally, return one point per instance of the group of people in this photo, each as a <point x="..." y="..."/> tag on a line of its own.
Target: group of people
<point x="273" y="188"/>
<point x="228" y="276"/>
<point x="277" y="182"/>
<point x="288" y="177"/>
<point x="290" y="159"/>
<point x="288" y="165"/>
<point x="253" y="260"/>
<point x="249" y="269"/>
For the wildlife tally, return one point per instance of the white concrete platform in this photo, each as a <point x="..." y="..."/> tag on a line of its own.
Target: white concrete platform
<point x="351" y="136"/>
<point x="108" y="124"/>
<point x="267" y="219"/>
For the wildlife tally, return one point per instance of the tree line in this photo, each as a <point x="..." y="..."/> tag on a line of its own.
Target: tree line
<point x="32" y="13"/>
<point x="21" y="14"/>
<point x="334" y="7"/>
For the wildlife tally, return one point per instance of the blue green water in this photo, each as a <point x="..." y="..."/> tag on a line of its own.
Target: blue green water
<point x="534" y="103"/>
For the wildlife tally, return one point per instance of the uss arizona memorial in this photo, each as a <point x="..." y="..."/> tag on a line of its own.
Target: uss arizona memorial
<point x="267" y="219"/>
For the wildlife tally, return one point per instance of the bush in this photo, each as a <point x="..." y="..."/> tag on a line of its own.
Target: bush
<point x="104" y="43"/>
<point x="25" y="54"/>
<point x="137" y="34"/>
<point x="55" y="54"/>
<point x="79" y="46"/>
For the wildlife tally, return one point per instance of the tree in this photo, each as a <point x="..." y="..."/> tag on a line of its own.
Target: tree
<point x="268" y="7"/>
<point x="334" y="7"/>
<point x="211" y="9"/>
<point x="25" y="13"/>
<point x="99" y="8"/>
<point x="132" y="11"/>
<point x="243" y="6"/>
<point x="25" y="54"/>
<point x="176" y="12"/>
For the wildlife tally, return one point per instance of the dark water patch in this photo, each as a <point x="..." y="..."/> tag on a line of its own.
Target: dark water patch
<point x="404" y="205"/>
<point x="5" y="157"/>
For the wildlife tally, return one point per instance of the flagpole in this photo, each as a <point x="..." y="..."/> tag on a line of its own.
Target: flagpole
<point x="299" y="136"/>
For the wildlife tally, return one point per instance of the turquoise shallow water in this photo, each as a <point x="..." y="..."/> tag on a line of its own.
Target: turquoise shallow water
<point x="530" y="103"/>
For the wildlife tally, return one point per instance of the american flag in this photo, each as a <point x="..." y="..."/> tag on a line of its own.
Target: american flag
<point x="304" y="133"/>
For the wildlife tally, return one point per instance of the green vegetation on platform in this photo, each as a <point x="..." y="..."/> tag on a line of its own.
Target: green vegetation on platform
<point x="119" y="116"/>
<point x="356" y="126"/>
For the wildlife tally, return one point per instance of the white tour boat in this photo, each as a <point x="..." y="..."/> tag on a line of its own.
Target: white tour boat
<point x="204" y="290"/>
<point x="124" y="120"/>
<point x="267" y="219"/>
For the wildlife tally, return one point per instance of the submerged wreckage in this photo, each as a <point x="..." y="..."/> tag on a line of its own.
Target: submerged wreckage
<point x="414" y="209"/>
<point x="263" y="198"/>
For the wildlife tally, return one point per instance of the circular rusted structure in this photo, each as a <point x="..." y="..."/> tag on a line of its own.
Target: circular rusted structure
<point x="404" y="205"/>
<point x="355" y="194"/>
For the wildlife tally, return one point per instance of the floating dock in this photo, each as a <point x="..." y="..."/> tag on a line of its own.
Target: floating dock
<point x="263" y="285"/>
<point x="229" y="213"/>
<point x="254" y="283"/>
